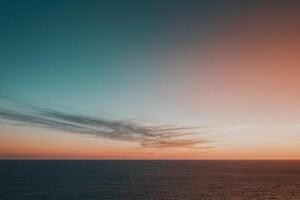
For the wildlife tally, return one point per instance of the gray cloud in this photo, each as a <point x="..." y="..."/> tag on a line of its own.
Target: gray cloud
<point x="146" y="135"/>
<point x="182" y="143"/>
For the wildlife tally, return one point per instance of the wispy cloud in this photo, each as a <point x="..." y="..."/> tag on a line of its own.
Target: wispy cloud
<point x="182" y="143"/>
<point x="146" y="135"/>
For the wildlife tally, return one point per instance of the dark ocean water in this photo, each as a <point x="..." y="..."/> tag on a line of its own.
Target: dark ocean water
<point x="130" y="180"/>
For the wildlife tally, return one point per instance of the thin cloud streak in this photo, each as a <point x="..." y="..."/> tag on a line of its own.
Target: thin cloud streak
<point x="182" y="143"/>
<point x="152" y="136"/>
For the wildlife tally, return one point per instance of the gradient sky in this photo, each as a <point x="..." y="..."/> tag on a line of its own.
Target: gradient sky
<point x="233" y="67"/>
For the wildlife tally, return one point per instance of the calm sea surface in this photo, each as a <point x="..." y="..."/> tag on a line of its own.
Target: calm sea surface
<point x="130" y="180"/>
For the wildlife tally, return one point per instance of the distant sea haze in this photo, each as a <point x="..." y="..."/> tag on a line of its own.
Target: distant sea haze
<point x="130" y="180"/>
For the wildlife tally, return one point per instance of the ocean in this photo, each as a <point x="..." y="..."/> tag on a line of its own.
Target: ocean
<point x="143" y="180"/>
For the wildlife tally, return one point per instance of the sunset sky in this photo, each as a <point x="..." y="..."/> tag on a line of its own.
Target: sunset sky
<point x="149" y="80"/>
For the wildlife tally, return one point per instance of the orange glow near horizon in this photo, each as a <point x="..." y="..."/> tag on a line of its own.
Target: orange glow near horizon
<point x="22" y="145"/>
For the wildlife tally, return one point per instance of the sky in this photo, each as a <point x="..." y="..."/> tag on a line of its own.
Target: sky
<point x="149" y="80"/>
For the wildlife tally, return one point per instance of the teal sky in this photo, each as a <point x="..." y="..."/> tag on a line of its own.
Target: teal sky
<point x="232" y="66"/>
<point x="96" y="56"/>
